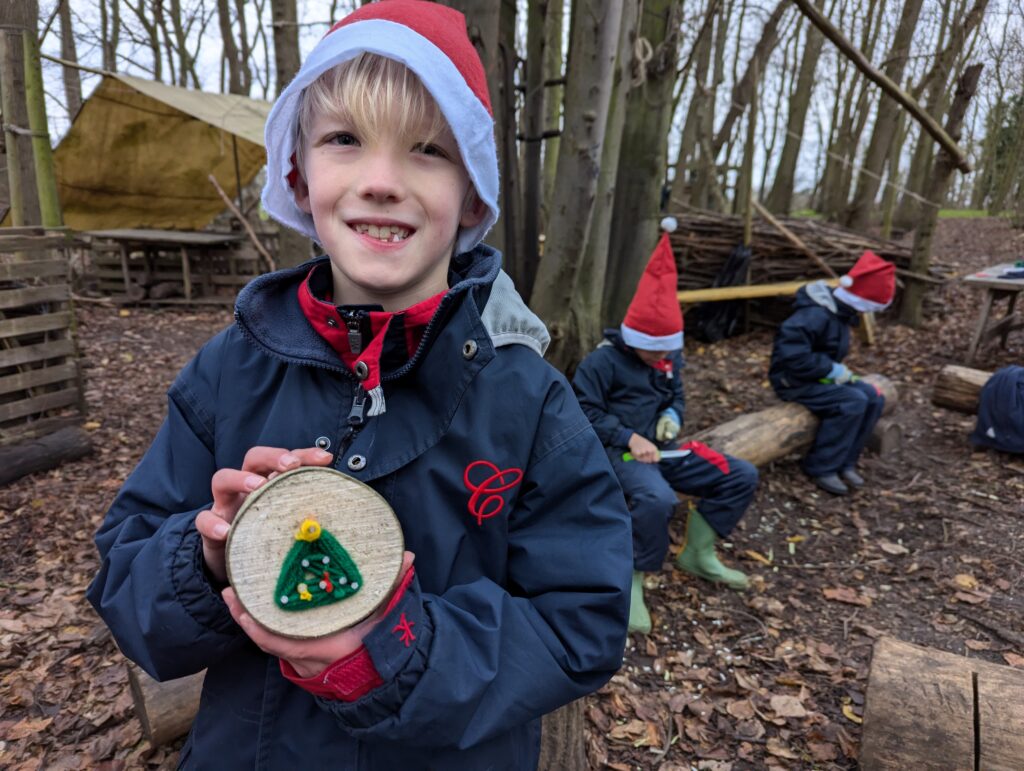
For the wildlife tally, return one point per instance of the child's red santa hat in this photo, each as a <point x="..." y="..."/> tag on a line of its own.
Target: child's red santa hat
<point x="869" y="286"/>
<point x="654" y="321"/>
<point x="431" y="40"/>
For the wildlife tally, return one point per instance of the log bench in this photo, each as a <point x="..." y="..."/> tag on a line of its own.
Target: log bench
<point x="930" y="710"/>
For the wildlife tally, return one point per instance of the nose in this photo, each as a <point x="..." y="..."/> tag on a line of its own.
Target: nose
<point x="381" y="177"/>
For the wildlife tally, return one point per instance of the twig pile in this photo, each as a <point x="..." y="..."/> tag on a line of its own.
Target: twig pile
<point x="703" y="241"/>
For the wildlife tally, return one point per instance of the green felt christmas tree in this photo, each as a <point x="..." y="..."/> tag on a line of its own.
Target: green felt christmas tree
<point x="316" y="572"/>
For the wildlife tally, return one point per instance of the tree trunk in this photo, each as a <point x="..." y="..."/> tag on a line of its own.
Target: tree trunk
<point x="586" y="302"/>
<point x="642" y="161"/>
<point x="286" y="41"/>
<point x="744" y="88"/>
<point x="232" y="56"/>
<point x="780" y="198"/>
<point x="885" y="120"/>
<point x="293" y="248"/>
<point x="72" y="77"/>
<point x="587" y="98"/>
<point x="959" y="388"/>
<point x="561" y="739"/>
<point x="552" y="102"/>
<point x="533" y="128"/>
<point x="35" y="102"/>
<point x="945" y="165"/>
<point x="682" y="181"/>
<point x="22" y="192"/>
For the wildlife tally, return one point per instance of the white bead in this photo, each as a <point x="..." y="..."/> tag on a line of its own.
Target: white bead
<point x="305" y="563"/>
<point x="284" y="599"/>
<point x="355" y="585"/>
<point x="326" y="560"/>
<point x="323" y="584"/>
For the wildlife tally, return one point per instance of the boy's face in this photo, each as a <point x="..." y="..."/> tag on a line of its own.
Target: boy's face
<point x="651" y="357"/>
<point x="387" y="210"/>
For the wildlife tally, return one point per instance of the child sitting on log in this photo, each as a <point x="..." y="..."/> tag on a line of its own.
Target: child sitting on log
<point x="807" y="368"/>
<point x="631" y="389"/>
<point x="405" y="359"/>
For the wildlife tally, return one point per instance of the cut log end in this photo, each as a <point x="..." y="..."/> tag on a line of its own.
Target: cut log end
<point x="959" y="388"/>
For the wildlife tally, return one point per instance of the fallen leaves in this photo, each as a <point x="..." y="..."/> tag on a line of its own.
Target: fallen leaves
<point x="847" y="595"/>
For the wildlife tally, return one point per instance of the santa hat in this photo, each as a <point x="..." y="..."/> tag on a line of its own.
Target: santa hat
<point x="654" y="321"/>
<point x="869" y="286"/>
<point x="431" y="40"/>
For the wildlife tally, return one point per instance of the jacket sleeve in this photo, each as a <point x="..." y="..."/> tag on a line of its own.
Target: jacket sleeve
<point x="152" y="589"/>
<point x="678" y="391"/>
<point x="592" y="382"/>
<point x="464" y="666"/>
<point x="794" y="349"/>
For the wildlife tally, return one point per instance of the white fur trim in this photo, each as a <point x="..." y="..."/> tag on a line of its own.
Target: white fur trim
<point x="669" y="224"/>
<point x="636" y="339"/>
<point x="471" y="124"/>
<point x="859" y="303"/>
<point x="846" y="281"/>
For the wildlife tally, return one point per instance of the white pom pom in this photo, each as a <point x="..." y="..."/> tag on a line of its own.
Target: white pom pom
<point x="845" y="281"/>
<point x="669" y="224"/>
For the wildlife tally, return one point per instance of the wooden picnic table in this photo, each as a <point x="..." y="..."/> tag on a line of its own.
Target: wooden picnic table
<point x="997" y="288"/>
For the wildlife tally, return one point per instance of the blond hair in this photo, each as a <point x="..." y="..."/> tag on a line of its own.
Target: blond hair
<point x="371" y="92"/>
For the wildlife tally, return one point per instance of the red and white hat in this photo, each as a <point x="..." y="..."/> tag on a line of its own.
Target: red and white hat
<point x="869" y="286"/>
<point x="431" y="40"/>
<point x="654" y="321"/>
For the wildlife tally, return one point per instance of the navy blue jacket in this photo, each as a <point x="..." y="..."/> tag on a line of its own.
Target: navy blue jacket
<point x="621" y="395"/>
<point x="514" y="614"/>
<point x="812" y="338"/>
<point x="1001" y="411"/>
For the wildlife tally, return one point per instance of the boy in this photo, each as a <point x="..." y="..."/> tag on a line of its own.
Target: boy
<point x="807" y="368"/>
<point x="417" y="372"/>
<point x="632" y="391"/>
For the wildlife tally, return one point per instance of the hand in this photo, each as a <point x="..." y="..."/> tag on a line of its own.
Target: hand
<point x="309" y="657"/>
<point x="840" y="374"/>
<point x="230" y="488"/>
<point x="643" y="450"/>
<point x="668" y="426"/>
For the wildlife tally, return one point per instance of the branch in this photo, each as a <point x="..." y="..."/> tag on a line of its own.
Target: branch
<point x="245" y="223"/>
<point x="928" y="123"/>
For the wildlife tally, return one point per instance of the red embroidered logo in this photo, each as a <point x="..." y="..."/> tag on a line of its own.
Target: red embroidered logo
<point x="486" y="501"/>
<point x="405" y="627"/>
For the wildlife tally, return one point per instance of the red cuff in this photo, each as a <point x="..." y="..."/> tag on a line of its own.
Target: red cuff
<point x="352" y="677"/>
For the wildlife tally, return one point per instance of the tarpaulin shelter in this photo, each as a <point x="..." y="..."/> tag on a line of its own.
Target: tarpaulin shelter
<point x="138" y="155"/>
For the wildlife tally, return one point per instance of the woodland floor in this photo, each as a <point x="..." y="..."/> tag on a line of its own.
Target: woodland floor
<point x="931" y="552"/>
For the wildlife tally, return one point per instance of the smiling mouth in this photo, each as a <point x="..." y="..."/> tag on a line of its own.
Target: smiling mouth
<point x="390" y="234"/>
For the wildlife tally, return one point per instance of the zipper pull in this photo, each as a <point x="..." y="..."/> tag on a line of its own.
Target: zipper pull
<point x="355" y="337"/>
<point x="355" y="415"/>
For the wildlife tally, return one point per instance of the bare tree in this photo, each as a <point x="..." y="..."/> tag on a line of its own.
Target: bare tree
<point x="781" y="195"/>
<point x="71" y="76"/>
<point x="595" y="39"/>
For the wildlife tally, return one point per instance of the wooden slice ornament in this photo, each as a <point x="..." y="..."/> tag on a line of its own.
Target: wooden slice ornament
<point x="313" y="552"/>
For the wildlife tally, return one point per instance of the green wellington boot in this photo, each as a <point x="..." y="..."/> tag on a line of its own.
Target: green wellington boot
<point x="639" y="618"/>
<point x="698" y="556"/>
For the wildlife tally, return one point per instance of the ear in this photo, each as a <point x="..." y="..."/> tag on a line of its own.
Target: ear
<point x="473" y="210"/>
<point x="301" y="192"/>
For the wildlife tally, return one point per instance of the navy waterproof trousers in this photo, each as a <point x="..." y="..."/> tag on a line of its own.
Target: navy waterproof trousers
<point x="848" y="413"/>
<point x="724" y="484"/>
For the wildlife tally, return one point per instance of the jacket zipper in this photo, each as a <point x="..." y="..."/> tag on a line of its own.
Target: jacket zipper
<point x="355" y="420"/>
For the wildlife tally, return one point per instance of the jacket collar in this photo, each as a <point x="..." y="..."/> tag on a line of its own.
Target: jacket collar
<point x="268" y="313"/>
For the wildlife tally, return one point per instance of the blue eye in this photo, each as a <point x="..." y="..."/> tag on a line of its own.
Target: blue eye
<point x="343" y="138"/>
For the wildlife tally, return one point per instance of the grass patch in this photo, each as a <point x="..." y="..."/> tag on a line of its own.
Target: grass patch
<point x="970" y="214"/>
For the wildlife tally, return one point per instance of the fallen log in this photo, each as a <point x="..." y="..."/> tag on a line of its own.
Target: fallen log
<point x="770" y="434"/>
<point x="959" y="388"/>
<point x="43" y="453"/>
<point x="929" y="709"/>
<point x="165" y="710"/>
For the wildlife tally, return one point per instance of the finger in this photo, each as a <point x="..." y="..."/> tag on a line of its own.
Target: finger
<point x="211" y="526"/>
<point x="263" y="460"/>
<point x="312" y="456"/>
<point x="229" y="485"/>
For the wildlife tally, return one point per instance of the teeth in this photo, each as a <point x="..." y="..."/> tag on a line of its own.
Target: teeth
<point x="386" y="233"/>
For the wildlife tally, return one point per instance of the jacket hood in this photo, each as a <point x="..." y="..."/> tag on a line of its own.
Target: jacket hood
<point x="820" y="293"/>
<point x="269" y="315"/>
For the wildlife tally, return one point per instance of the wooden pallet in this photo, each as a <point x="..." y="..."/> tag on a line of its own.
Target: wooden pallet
<point x="40" y="379"/>
<point x="929" y="710"/>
